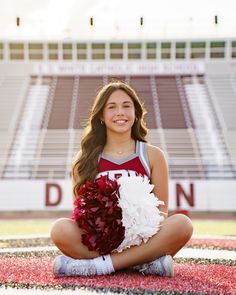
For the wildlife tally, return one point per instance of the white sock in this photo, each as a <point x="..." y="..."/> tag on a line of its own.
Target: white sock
<point x="103" y="265"/>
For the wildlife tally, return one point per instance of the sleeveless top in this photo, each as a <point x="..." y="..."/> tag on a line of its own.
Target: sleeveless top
<point x="132" y="165"/>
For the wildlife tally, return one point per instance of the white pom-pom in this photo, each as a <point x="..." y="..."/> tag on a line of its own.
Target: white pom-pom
<point x="140" y="214"/>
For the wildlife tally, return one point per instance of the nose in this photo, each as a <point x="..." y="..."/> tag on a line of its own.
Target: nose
<point x="120" y="111"/>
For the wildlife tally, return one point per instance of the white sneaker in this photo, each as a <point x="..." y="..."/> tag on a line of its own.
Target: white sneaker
<point x="163" y="266"/>
<point x="66" y="266"/>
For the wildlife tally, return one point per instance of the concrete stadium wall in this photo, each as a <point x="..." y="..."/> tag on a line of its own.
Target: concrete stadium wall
<point x="36" y="195"/>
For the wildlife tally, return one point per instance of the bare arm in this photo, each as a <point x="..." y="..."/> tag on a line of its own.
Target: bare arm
<point x="159" y="176"/>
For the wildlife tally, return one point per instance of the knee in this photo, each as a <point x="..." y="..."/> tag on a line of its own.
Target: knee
<point x="58" y="230"/>
<point x="185" y="225"/>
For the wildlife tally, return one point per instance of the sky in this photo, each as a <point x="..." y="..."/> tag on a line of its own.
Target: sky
<point x="117" y="19"/>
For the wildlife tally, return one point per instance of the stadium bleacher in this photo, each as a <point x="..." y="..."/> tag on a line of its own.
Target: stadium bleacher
<point x="191" y="104"/>
<point x="42" y="141"/>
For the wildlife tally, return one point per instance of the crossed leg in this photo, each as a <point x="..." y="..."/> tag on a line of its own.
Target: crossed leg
<point x="175" y="232"/>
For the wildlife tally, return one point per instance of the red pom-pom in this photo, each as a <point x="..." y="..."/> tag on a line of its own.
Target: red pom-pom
<point x="97" y="212"/>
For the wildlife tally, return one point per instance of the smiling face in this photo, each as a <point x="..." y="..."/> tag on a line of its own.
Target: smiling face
<point x="119" y="113"/>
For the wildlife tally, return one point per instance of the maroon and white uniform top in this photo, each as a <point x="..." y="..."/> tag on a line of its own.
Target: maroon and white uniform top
<point x="132" y="165"/>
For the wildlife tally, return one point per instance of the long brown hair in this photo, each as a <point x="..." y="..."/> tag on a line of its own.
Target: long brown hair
<point x="85" y="167"/>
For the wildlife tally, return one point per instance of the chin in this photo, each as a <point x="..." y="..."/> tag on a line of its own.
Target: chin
<point x="120" y="130"/>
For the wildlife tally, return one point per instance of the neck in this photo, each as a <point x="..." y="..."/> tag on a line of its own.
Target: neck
<point x="119" y="145"/>
<point x="119" y="141"/>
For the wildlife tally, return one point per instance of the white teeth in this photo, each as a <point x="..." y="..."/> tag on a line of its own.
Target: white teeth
<point x="120" y="121"/>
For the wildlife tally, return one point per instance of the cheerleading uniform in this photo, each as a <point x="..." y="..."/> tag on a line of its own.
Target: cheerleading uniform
<point x="122" y="212"/>
<point x="132" y="165"/>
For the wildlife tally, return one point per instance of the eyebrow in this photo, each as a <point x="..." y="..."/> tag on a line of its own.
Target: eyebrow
<point x="126" y="101"/>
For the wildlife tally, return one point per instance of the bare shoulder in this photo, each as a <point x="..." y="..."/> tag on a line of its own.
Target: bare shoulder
<point x="155" y="155"/>
<point x="155" y="151"/>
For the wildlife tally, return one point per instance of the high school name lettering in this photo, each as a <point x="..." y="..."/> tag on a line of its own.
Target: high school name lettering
<point x="54" y="195"/>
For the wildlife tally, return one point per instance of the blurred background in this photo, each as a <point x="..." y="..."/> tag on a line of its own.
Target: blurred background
<point x="180" y="57"/>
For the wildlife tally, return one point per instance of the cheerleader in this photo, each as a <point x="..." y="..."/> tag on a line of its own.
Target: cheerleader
<point x="114" y="144"/>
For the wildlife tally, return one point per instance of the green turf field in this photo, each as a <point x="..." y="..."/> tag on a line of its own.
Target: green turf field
<point x="42" y="226"/>
<point x="215" y="227"/>
<point x="25" y="226"/>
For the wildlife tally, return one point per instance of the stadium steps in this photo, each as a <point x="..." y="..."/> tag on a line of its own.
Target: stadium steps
<point x="182" y="154"/>
<point x="142" y="85"/>
<point x="185" y="104"/>
<point x="230" y="139"/>
<point x="52" y="154"/>
<point x="223" y="91"/>
<point x="12" y="95"/>
<point x="171" y="109"/>
<point x="6" y="138"/>
<point x="88" y="87"/>
<point x="214" y="153"/>
<point x="59" y="117"/>
<point x="24" y="147"/>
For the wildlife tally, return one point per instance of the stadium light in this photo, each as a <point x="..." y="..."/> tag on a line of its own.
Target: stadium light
<point x="141" y="21"/>
<point x="17" y="21"/>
